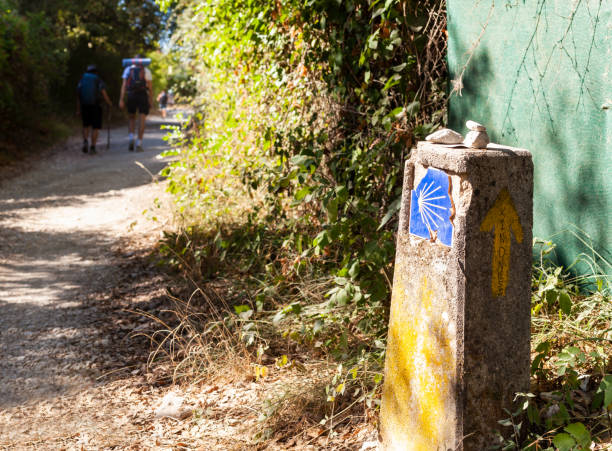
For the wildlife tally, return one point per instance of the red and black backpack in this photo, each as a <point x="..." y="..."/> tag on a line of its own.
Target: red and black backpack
<point x="136" y="79"/>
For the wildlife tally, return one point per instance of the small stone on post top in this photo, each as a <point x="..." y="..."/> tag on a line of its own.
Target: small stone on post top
<point x="477" y="137"/>
<point x="445" y="136"/>
<point x="475" y="126"/>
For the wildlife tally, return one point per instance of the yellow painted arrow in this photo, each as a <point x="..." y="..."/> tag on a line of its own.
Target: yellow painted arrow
<point x="503" y="218"/>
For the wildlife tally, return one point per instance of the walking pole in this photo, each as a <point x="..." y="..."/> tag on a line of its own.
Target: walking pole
<point x="108" y="127"/>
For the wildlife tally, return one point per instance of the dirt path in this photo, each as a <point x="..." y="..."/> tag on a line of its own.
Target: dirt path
<point x="69" y="249"/>
<point x="74" y="267"/>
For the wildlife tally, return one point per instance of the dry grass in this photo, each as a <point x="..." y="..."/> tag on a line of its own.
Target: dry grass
<point x="298" y="403"/>
<point x="200" y="345"/>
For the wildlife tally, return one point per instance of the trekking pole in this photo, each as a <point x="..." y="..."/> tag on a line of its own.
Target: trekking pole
<point x="108" y="127"/>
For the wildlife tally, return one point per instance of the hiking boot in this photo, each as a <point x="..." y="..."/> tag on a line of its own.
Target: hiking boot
<point x="85" y="145"/>
<point x="131" y="146"/>
<point x="139" y="148"/>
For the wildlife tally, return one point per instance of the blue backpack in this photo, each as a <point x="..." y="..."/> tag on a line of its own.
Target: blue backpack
<point x="89" y="89"/>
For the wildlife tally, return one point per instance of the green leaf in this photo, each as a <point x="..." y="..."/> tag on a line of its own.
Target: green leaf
<point x="378" y="290"/>
<point x="580" y="433"/>
<point x="164" y="5"/>
<point x="604" y="393"/>
<point x="393" y="209"/>
<point x="302" y="161"/>
<point x="342" y="297"/>
<point x="378" y="12"/>
<point x="259" y="301"/>
<point x="342" y="281"/>
<point x="536" y="362"/>
<point x="544" y="347"/>
<point x="396" y="111"/>
<point x="413" y="108"/>
<point x="562" y="416"/>
<point x="551" y="296"/>
<point x="341" y="193"/>
<point x="322" y="239"/>
<point x="564" y="442"/>
<point x="301" y="194"/>
<point x="568" y="358"/>
<point x="533" y="415"/>
<point x="370" y="249"/>
<point x="565" y="302"/>
<point x="241" y="308"/>
<point x="296" y="308"/>
<point x="392" y="81"/>
<point x="332" y="210"/>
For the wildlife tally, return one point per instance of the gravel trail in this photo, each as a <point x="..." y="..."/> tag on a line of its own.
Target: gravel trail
<point x="65" y="227"/>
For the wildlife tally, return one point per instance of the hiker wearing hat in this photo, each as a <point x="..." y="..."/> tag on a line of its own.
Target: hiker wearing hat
<point x="90" y="91"/>
<point x="138" y="85"/>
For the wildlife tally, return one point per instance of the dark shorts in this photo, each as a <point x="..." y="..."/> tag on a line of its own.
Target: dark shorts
<point x="138" y="101"/>
<point x="92" y="116"/>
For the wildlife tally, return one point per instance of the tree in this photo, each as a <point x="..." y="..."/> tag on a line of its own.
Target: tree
<point x="45" y="45"/>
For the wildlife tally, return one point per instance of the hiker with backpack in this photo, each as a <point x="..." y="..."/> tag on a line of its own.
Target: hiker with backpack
<point x="162" y="98"/>
<point x="138" y="85"/>
<point x="90" y="91"/>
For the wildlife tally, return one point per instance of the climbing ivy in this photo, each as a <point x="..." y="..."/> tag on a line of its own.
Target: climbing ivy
<point x="312" y="106"/>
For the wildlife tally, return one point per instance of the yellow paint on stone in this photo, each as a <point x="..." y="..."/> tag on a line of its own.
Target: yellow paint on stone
<point x="420" y="371"/>
<point x="504" y="219"/>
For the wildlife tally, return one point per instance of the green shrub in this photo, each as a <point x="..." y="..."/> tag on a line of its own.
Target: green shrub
<point x="29" y="62"/>
<point x="313" y="107"/>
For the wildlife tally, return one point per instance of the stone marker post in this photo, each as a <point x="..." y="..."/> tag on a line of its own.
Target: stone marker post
<point x="459" y="331"/>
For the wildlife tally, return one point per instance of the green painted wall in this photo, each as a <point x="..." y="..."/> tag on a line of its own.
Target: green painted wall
<point x="540" y="78"/>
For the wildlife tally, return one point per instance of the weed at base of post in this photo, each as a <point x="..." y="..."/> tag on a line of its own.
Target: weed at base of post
<point x="570" y="407"/>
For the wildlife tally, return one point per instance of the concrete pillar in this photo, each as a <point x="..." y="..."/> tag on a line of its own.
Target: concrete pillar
<point x="459" y="331"/>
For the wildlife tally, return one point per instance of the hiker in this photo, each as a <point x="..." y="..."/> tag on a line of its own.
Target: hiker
<point x="162" y="98"/>
<point x="138" y="85"/>
<point x="90" y="91"/>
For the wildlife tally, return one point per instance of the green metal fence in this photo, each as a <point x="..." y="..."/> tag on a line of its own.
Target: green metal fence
<point x="537" y="73"/>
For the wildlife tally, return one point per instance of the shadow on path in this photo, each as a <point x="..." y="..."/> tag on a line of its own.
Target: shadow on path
<point x="68" y="268"/>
